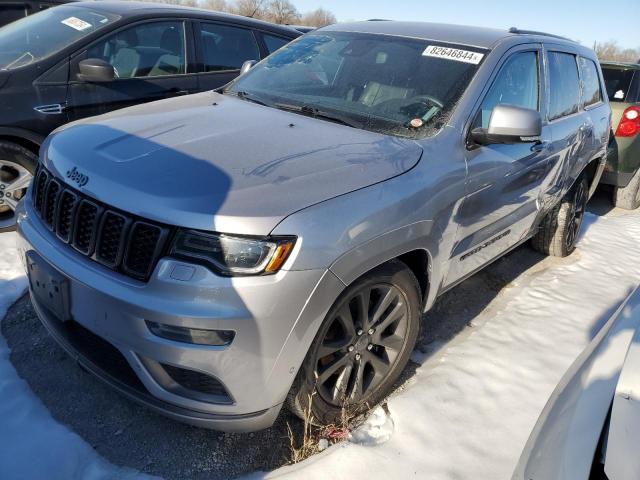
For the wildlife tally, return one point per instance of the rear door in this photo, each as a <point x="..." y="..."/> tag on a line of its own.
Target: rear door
<point x="222" y="49"/>
<point x="571" y="129"/>
<point x="597" y="112"/>
<point x="504" y="180"/>
<point x="152" y="60"/>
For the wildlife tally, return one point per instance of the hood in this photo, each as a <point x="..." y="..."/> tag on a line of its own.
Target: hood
<point x="215" y="162"/>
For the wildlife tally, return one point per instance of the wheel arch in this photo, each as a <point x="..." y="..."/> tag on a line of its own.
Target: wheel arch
<point x="593" y="172"/>
<point x="25" y="138"/>
<point x="410" y="244"/>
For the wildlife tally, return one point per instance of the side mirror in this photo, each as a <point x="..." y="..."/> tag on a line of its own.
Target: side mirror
<point x="510" y="124"/>
<point x="96" y="70"/>
<point x="246" y="66"/>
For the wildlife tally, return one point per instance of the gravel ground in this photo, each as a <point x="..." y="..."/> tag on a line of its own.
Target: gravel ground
<point x="129" y="435"/>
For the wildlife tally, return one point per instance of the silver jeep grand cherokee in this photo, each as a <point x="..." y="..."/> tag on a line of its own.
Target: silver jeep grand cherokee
<point x="218" y="255"/>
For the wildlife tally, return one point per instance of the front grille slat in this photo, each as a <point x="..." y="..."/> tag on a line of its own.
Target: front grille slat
<point x="115" y="239"/>
<point x="85" y="228"/>
<point x="50" y="203"/>
<point x="142" y="249"/>
<point x="112" y="235"/>
<point x="39" y="190"/>
<point x="67" y="205"/>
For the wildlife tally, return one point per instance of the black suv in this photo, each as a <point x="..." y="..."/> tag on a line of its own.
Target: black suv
<point x="86" y="58"/>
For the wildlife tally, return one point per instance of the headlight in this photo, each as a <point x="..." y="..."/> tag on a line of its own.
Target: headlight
<point x="233" y="255"/>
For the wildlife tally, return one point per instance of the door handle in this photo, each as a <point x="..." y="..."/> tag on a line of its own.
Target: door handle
<point x="540" y="147"/>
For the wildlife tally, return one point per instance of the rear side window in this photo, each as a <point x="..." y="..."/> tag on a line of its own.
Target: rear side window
<point x="148" y="50"/>
<point x="618" y="82"/>
<point x="591" y="92"/>
<point x="274" y="43"/>
<point x="564" y="85"/>
<point x="517" y="84"/>
<point x="226" y="48"/>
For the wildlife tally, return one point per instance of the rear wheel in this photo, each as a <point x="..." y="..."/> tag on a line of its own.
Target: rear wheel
<point x="628" y="197"/>
<point x="560" y="229"/>
<point x="362" y="346"/>
<point x="17" y="165"/>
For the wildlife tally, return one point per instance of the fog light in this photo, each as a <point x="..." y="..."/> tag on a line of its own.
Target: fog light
<point x="196" y="336"/>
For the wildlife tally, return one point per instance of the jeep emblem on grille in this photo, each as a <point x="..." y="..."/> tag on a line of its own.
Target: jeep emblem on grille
<point x="75" y="176"/>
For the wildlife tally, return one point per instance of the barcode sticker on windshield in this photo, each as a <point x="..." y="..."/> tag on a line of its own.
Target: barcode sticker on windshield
<point x="453" y="54"/>
<point x="76" y="23"/>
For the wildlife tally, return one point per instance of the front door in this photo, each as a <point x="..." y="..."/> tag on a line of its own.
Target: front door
<point x="222" y="51"/>
<point x="150" y="60"/>
<point x="504" y="181"/>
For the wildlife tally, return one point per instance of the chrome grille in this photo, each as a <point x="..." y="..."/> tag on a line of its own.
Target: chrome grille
<point x="116" y="239"/>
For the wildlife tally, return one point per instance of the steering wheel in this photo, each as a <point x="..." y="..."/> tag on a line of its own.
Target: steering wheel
<point x="409" y="106"/>
<point x="430" y="99"/>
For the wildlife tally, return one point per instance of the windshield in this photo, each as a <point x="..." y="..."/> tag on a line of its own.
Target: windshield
<point x="391" y="85"/>
<point x="45" y="33"/>
<point x="618" y="83"/>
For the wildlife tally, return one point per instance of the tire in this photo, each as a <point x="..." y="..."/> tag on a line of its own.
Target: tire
<point x="17" y="166"/>
<point x="350" y="346"/>
<point x="628" y="197"/>
<point x="559" y="231"/>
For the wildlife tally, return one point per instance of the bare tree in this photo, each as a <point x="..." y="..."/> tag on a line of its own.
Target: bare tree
<point x="251" y="8"/>
<point x="184" y="3"/>
<point x="318" y="18"/>
<point x="217" y="5"/>
<point x="611" y="51"/>
<point x="282" y="12"/>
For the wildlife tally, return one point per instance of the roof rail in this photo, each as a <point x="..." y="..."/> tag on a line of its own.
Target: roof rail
<point x="518" y="31"/>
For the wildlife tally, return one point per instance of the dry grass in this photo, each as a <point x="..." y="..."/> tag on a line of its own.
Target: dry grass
<point x="314" y="438"/>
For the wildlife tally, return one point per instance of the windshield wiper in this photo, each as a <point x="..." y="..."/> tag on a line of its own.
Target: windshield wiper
<point x="317" y="113"/>
<point x="249" y="97"/>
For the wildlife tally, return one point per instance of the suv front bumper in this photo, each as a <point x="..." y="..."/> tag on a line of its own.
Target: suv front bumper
<point x="274" y="318"/>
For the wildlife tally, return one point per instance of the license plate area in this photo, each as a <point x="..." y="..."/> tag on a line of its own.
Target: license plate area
<point x="49" y="287"/>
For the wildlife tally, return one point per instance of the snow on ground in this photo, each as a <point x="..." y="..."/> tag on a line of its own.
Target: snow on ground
<point x="466" y="413"/>
<point x="470" y="408"/>
<point x="32" y="444"/>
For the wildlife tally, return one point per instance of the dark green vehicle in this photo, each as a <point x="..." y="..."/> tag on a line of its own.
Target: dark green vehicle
<point x="623" y="165"/>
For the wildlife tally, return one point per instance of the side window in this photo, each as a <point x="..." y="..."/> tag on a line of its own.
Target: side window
<point x="274" y="43"/>
<point x="226" y="48"/>
<point x="517" y="84"/>
<point x="147" y="50"/>
<point x="564" y="85"/>
<point x="592" y="93"/>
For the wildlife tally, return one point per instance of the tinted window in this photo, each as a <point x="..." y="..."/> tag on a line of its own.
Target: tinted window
<point x="591" y="82"/>
<point x="147" y="50"/>
<point x="397" y="86"/>
<point x="10" y="13"/>
<point x="516" y="84"/>
<point x="274" y="43"/>
<point x="227" y="48"/>
<point x="618" y="82"/>
<point x="564" y="85"/>
<point x="38" y="36"/>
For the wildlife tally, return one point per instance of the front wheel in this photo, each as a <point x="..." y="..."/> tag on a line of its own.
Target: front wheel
<point x="361" y="348"/>
<point x="560" y="229"/>
<point x="17" y="165"/>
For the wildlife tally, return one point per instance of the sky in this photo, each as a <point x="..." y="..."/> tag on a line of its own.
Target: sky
<point x="586" y="21"/>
